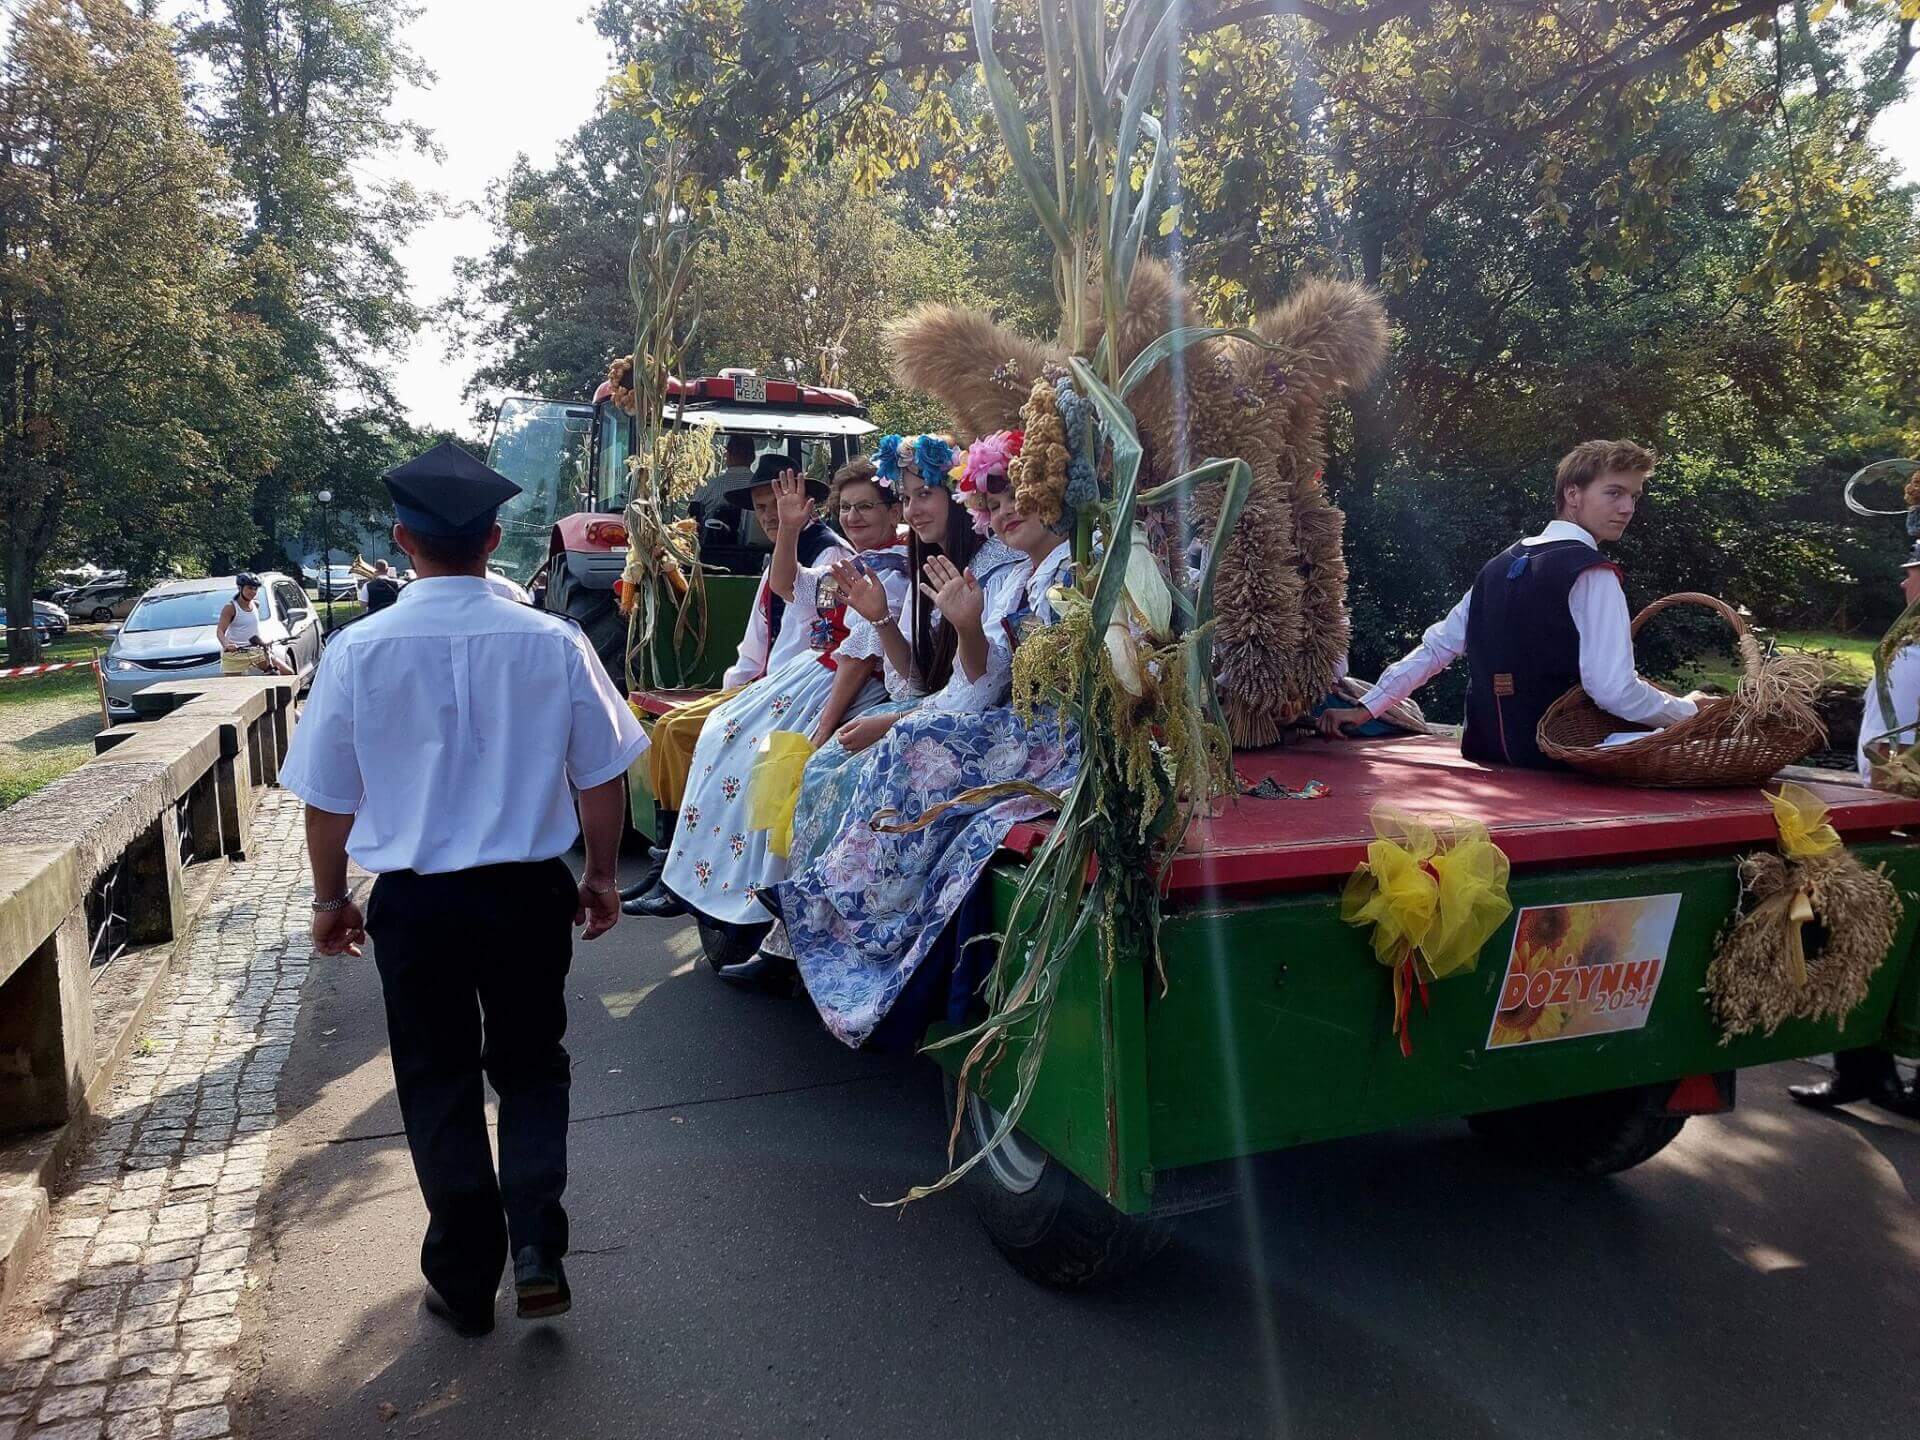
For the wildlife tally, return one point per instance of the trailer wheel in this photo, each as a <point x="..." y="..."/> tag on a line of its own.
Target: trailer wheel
<point x="1044" y="1219"/>
<point x="725" y="944"/>
<point x="1587" y="1135"/>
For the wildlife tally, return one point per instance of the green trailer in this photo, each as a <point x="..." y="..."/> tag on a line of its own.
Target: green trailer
<point x="1275" y="1025"/>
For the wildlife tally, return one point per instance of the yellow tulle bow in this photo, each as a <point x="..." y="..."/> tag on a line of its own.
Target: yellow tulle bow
<point x="1802" y="818"/>
<point x="774" y="788"/>
<point x="1433" y="886"/>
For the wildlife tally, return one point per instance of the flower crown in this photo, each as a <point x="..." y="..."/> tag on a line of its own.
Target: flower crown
<point x="930" y="455"/>
<point x="988" y="456"/>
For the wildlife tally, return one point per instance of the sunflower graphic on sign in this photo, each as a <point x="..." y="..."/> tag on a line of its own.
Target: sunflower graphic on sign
<point x="1590" y="968"/>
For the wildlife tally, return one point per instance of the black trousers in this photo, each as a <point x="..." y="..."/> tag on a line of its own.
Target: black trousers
<point x="473" y="965"/>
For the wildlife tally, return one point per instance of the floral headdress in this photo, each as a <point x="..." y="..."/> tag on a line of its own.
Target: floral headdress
<point x="987" y="457"/>
<point x="1054" y="476"/>
<point x="930" y="455"/>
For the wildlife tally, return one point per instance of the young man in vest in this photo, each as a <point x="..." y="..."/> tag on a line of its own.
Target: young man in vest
<point x="765" y="645"/>
<point x="1546" y="613"/>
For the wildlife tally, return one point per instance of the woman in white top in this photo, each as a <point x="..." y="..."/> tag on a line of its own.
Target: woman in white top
<point x="864" y="914"/>
<point x="242" y="651"/>
<point x="717" y="857"/>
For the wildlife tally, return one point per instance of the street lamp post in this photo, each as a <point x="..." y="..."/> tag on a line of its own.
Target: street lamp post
<point x="325" y="497"/>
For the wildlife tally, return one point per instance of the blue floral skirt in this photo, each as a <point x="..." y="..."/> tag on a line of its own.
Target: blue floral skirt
<point x="864" y="912"/>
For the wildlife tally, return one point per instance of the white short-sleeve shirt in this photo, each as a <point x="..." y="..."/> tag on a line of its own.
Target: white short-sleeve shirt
<point x="454" y="726"/>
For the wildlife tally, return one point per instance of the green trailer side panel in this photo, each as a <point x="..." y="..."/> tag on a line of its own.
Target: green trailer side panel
<point x="1089" y="1106"/>
<point x="1276" y="1026"/>
<point x="694" y="666"/>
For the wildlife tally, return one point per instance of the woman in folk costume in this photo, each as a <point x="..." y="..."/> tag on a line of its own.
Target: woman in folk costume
<point x="866" y="912"/>
<point x="917" y="655"/>
<point x="716" y="856"/>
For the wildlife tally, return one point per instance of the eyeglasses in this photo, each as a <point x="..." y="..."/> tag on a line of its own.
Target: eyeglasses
<point x="862" y="508"/>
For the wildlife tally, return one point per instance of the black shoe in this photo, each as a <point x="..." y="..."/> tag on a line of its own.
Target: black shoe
<point x="649" y="879"/>
<point x="540" y="1285"/>
<point x="469" y="1325"/>
<point x="762" y="972"/>
<point x="1857" y="1075"/>
<point x="659" y="902"/>
<point x="657" y="854"/>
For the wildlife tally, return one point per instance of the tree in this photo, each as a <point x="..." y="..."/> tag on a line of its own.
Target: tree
<point x="546" y="305"/>
<point x="126" y="355"/>
<point x="798" y="281"/>
<point x="299" y="95"/>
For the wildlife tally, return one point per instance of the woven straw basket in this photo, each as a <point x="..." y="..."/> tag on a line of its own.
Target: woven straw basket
<point x="1735" y="741"/>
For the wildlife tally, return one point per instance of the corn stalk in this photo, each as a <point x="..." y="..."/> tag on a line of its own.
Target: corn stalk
<point x="659" y="269"/>
<point x="1096" y="872"/>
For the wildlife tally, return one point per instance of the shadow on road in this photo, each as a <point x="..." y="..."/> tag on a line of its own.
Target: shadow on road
<point x="1761" y="1278"/>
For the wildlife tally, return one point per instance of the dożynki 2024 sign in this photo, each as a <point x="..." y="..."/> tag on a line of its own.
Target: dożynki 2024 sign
<point x="1585" y="969"/>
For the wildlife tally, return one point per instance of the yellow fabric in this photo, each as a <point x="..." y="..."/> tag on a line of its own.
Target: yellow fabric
<point x="1440" y="891"/>
<point x="1473" y="898"/>
<point x="1802" y="817"/>
<point x="1393" y="892"/>
<point x="674" y="735"/>
<point x="774" y="787"/>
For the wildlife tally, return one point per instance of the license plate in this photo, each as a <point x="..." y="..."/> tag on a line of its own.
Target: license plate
<point x="750" y="389"/>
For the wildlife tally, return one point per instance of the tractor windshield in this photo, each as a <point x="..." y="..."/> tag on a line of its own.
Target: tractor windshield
<point x="542" y="446"/>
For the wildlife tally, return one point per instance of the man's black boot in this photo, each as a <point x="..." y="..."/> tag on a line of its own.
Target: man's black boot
<point x="468" y="1324"/>
<point x="1866" y="1074"/>
<point x="659" y="903"/>
<point x="762" y="972"/>
<point x="540" y="1285"/>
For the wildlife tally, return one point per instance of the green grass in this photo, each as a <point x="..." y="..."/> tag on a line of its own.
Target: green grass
<point x="32" y="689"/>
<point x="1852" y="657"/>
<point x="343" y="611"/>
<point x="19" y="779"/>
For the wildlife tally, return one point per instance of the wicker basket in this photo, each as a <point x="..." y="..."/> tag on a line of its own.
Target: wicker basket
<point x="1725" y="743"/>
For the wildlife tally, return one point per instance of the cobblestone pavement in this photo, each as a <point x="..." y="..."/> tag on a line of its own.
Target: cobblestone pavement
<point x="125" y="1326"/>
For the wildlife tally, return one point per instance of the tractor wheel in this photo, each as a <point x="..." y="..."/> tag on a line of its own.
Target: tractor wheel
<point x="1589" y="1135"/>
<point x="725" y="944"/>
<point x="597" y="612"/>
<point x="1047" y="1222"/>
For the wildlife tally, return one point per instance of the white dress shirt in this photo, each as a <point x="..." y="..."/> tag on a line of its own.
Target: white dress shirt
<point x="1599" y="609"/>
<point x="1903" y="686"/>
<point x="451" y="725"/>
<point x="759" y="653"/>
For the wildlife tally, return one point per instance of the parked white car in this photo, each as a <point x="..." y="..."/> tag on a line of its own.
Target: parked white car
<point x="171" y="634"/>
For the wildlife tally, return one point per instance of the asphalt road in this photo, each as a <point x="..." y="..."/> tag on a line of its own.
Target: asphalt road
<point x="1759" y="1280"/>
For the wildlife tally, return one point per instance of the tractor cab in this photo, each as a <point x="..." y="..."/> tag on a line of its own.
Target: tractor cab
<point x="562" y="536"/>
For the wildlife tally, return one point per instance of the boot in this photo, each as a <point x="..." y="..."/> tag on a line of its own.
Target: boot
<point x="659" y="903"/>
<point x="1864" y="1074"/>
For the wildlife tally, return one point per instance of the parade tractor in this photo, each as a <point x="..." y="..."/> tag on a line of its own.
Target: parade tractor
<point x="563" y="535"/>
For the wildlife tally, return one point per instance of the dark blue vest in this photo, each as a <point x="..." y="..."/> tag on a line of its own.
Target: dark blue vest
<point x="1523" y="651"/>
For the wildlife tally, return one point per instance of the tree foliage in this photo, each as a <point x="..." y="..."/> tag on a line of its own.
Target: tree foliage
<point x="127" y="354"/>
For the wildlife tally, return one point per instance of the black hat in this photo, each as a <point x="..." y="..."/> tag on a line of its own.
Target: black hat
<point x="1913" y="559"/>
<point x="765" y="471"/>
<point x="447" y="492"/>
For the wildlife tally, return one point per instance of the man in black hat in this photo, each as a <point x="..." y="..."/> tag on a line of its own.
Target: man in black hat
<point x="446" y="744"/>
<point x="1893" y="715"/>
<point x="768" y="641"/>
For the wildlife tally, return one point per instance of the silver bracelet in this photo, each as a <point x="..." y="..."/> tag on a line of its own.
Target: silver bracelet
<point x="327" y="907"/>
<point x="608" y="889"/>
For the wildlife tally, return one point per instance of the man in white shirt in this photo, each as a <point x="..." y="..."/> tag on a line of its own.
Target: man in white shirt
<point x="1869" y="1073"/>
<point x="1545" y="613"/>
<point x="444" y="747"/>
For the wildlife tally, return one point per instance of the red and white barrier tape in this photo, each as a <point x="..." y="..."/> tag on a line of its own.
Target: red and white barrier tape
<point x="22" y="670"/>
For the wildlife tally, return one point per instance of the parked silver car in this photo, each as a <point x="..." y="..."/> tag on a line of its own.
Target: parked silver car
<point x="101" y="600"/>
<point x="171" y="634"/>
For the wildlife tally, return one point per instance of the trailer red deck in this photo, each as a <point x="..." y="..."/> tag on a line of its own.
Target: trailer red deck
<point x="1538" y="817"/>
